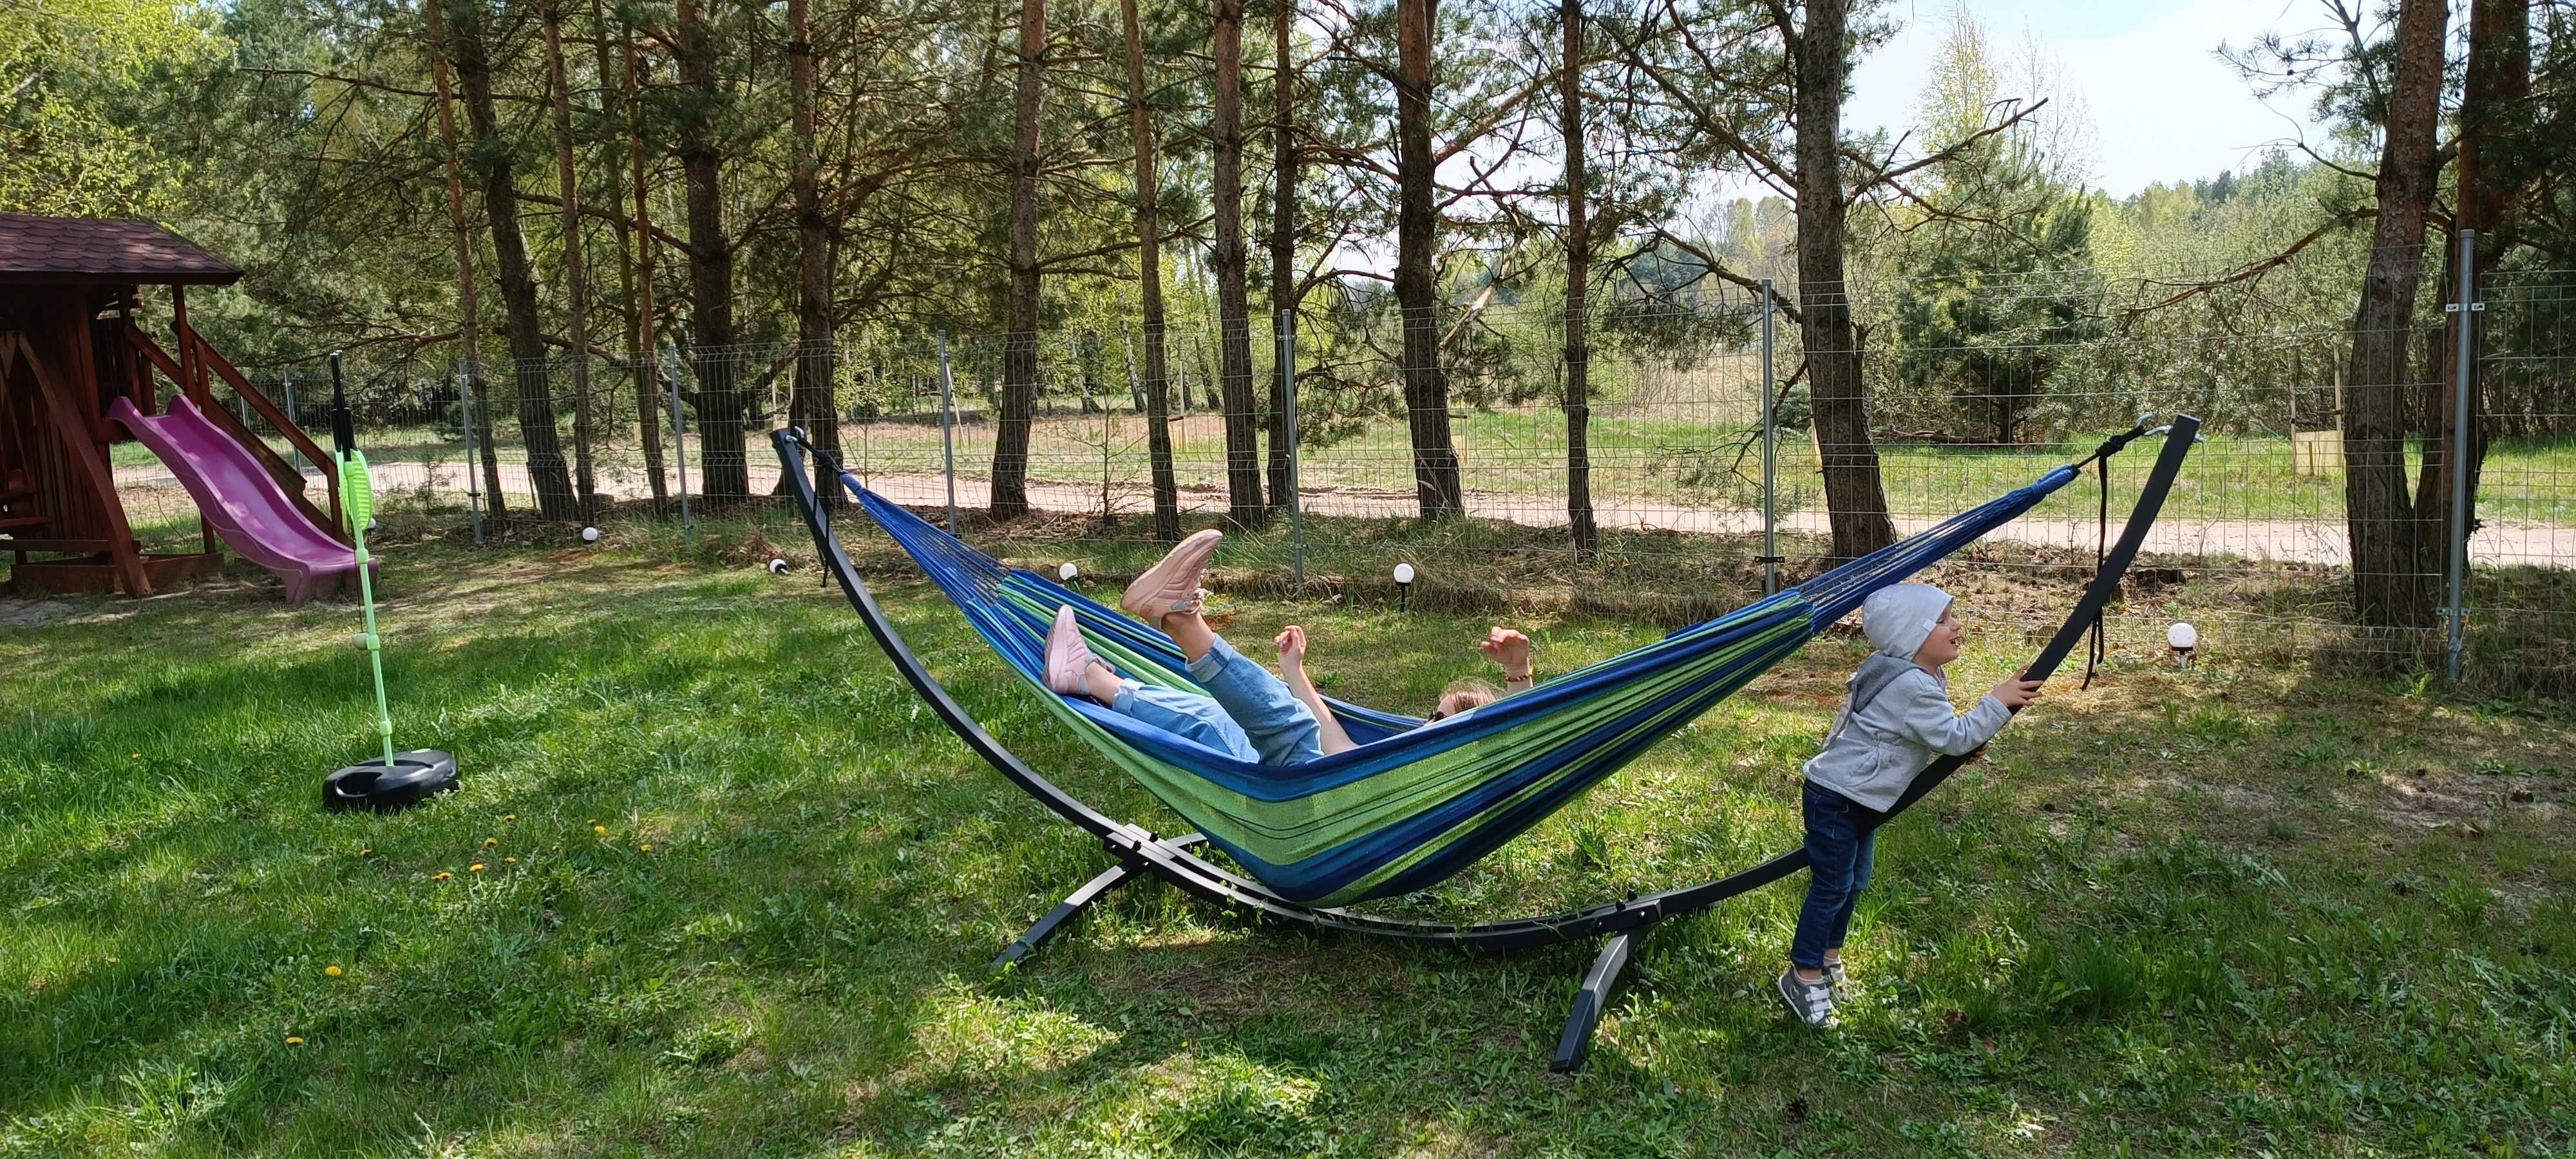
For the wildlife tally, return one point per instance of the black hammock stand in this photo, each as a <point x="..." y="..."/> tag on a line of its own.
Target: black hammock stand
<point x="1139" y="850"/>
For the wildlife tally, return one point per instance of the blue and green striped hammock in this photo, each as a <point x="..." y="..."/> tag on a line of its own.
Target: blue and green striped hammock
<point x="1412" y="803"/>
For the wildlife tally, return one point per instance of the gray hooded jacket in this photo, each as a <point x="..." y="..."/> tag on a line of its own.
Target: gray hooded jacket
<point x="1899" y="717"/>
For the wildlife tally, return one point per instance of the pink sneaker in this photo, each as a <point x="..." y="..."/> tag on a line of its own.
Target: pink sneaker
<point x="1172" y="585"/>
<point x="1068" y="658"/>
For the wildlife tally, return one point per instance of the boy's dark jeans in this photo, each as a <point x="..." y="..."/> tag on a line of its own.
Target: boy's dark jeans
<point x="1842" y="836"/>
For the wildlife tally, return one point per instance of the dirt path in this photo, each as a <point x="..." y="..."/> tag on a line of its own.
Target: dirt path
<point x="2275" y="540"/>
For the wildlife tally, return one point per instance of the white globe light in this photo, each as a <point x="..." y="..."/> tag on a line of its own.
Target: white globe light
<point x="2182" y="636"/>
<point x="777" y="566"/>
<point x="1067" y="572"/>
<point x="1404" y="573"/>
<point x="590" y="535"/>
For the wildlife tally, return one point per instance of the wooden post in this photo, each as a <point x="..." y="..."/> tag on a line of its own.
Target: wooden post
<point x="71" y="424"/>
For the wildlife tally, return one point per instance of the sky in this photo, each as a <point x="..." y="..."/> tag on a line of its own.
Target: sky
<point x="2164" y="107"/>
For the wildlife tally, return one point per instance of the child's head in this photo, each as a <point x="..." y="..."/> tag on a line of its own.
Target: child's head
<point x="1912" y="622"/>
<point x="1464" y="695"/>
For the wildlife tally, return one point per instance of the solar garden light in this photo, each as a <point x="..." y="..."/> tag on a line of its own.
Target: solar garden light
<point x="404" y="779"/>
<point x="590" y="535"/>
<point x="1068" y="572"/>
<point x="2182" y="638"/>
<point x="1404" y="574"/>
<point x="777" y="565"/>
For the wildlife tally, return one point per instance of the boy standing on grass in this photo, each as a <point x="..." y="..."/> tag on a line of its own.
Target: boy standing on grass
<point x="1898" y="720"/>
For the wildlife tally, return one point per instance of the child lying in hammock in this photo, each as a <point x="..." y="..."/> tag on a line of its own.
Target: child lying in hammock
<point x="1273" y="720"/>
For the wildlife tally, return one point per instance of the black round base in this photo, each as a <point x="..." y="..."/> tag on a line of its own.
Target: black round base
<point x="414" y="776"/>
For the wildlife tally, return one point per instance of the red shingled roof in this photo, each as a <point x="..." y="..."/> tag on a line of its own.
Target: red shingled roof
<point x="103" y="250"/>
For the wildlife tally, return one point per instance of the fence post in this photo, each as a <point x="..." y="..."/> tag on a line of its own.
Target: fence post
<point x="1284" y="326"/>
<point x="465" y="414"/>
<point x="1770" y="472"/>
<point x="286" y="386"/>
<point x="680" y="450"/>
<point x="948" y="438"/>
<point x="2468" y="307"/>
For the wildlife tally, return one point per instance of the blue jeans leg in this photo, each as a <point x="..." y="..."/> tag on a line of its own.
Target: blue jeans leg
<point x="1840" y="860"/>
<point x="1282" y="728"/>
<point x="1864" y="866"/>
<point x="1185" y="714"/>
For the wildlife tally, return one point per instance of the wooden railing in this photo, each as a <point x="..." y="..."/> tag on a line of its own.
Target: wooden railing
<point x="292" y="480"/>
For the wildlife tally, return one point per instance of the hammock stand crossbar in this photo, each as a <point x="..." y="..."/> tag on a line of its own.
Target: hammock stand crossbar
<point x="1140" y="851"/>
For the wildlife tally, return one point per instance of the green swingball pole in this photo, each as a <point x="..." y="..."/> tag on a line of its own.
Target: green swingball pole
<point x="403" y="779"/>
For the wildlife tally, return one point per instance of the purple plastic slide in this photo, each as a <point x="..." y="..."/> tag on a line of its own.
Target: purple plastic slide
<point x="238" y="496"/>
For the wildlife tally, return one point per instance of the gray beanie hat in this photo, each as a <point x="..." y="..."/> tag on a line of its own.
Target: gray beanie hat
<point x="1899" y="618"/>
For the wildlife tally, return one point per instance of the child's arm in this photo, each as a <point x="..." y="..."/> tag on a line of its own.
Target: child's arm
<point x="1511" y="649"/>
<point x="1292" y="672"/>
<point x="1931" y="721"/>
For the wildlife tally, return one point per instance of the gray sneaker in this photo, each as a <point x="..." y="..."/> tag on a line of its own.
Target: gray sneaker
<point x="1812" y="1002"/>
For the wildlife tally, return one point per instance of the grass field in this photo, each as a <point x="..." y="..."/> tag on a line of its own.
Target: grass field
<point x="718" y="886"/>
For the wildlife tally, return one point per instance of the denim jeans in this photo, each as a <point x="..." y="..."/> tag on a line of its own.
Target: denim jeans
<point x="1247" y="712"/>
<point x="1842" y="840"/>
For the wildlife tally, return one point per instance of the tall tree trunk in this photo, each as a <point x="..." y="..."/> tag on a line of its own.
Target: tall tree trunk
<point x="1020" y="347"/>
<point x="1417" y="289"/>
<point x="1149" y="276"/>
<point x="1855" y="498"/>
<point x="2492" y="95"/>
<point x="1283" y="247"/>
<point x="1578" y="273"/>
<point x="2389" y="587"/>
<point x="469" y="328"/>
<point x="1233" y="308"/>
<point x="613" y="103"/>
<point x="529" y="365"/>
<point x="810" y="399"/>
<point x="723" y="409"/>
<point x="648" y="365"/>
<point x="576" y="275"/>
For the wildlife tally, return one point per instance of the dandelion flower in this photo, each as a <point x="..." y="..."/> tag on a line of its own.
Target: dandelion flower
<point x="331" y="971"/>
<point x="364" y="852"/>
<point x="291" y="1040"/>
<point x="644" y="849"/>
<point x="509" y="816"/>
<point x="511" y="860"/>
<point x="477" y="867"/>
<point x="134" y="756"/>
<point x="599" y="830"/>
<point x="441" y="875"/>
<point x="112" y="961"/>
<point x="491" y="843"/>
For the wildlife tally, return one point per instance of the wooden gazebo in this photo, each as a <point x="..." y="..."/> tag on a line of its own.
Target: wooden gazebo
<point x="70" y="346"/>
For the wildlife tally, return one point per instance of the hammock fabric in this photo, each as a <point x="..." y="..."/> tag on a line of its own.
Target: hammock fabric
<point x="1413" y="803"/>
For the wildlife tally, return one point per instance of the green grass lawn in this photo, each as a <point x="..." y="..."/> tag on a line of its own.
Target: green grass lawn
<point x="717" y="885"/>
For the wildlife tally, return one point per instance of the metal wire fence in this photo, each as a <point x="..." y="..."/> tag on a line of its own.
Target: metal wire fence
<point x="1973" y="389"/>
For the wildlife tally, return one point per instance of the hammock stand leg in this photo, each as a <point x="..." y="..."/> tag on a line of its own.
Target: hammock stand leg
<point x="1593" y="999"/>
<point x="1074" y="903"/>
<point x="1037" y="935"/>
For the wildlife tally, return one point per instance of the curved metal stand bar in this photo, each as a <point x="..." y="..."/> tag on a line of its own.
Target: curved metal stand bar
<point x="1139" y="849"/>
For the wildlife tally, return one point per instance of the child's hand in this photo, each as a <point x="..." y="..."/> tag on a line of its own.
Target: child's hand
<point x="2016" y="692"/>
<point x="1509" y="648"/>
<point x="1292" y="649"/>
